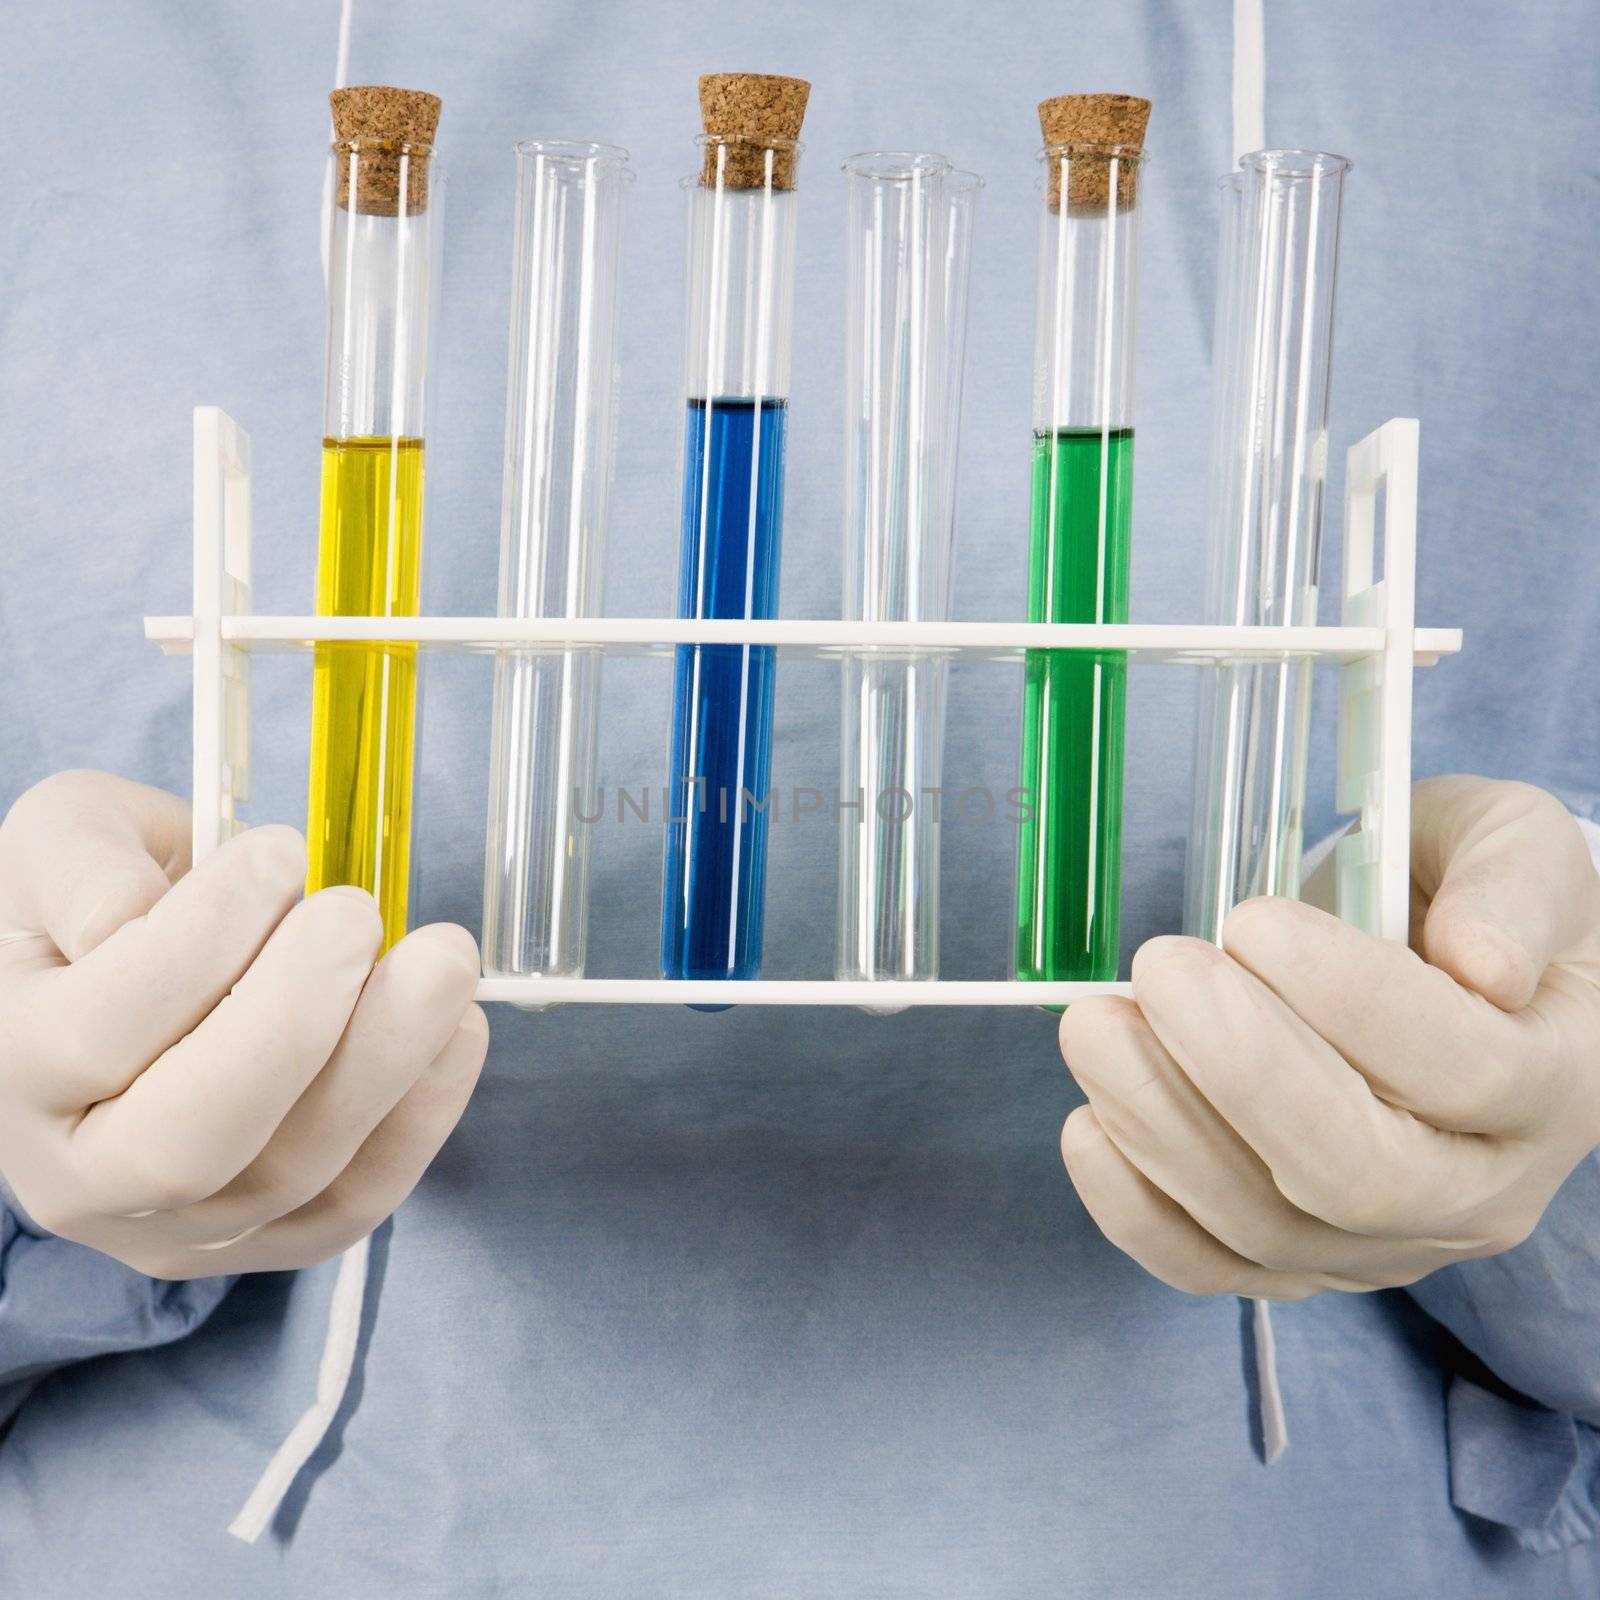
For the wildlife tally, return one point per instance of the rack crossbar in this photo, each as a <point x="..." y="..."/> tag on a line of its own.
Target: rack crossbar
<point x="1181" y="643"/>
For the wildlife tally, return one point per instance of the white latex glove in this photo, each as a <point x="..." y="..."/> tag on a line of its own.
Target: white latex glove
<point x="1318" y="1109"/>
<point x="197" y="1074"/>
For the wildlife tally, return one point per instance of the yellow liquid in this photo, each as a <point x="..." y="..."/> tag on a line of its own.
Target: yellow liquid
<point x="364" y="696"/>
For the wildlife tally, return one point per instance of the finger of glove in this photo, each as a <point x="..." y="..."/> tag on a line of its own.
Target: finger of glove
<point x="1167" y="1130"/>
<point x="1155" y="1231"/>
<point x="388" y="1166"/>
<point x="1335" y="1150"/>
<point x="205" y="1109"/>
<point x="85" y="852"/>
<point x="1422" y="1040"/>
<point x="1509" y="881"/>
<point x="409" y="1012"/>
<point x="96" y="1025"/>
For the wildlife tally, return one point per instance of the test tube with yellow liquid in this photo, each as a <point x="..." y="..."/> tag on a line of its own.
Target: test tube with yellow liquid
<point x="383" y="273"/>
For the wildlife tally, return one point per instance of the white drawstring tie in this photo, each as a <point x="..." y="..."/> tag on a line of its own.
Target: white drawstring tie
<point x="333" y="1380"/>
<point x="1269" y="1401"/>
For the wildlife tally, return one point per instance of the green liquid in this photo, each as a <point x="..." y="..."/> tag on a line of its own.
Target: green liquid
<point x="1069" y="862"/>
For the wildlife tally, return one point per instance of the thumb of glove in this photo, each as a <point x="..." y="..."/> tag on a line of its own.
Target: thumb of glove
<point x="1506" y="881"/>
<point x="83" y="853"/>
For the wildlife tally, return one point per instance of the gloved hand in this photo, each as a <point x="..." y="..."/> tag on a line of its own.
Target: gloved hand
<point x="1311" y="1108"/>
<point x="198" y="1074"/>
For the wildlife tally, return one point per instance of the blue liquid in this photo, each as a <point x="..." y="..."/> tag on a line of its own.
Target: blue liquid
<point x="714" y="889"/>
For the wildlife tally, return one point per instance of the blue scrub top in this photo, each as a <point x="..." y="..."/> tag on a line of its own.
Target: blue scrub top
<point x="775" y="1302"/>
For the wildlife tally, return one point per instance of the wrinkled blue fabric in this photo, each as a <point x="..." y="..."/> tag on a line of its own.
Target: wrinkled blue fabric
<point x="60" y="1303"/>
<point x="778" y="1303"/>
<point x="1530" y="1316"/>
<point x="1526" y="1314"/>
<point x="1526" y="1468"/>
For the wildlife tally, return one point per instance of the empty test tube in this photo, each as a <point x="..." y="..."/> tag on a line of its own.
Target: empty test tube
<point x="739" y="315"/>
<point x="1069" y="844"/>
<point x="558" y="462"/>
<point x="906" y="270"/>
<point x="383" y="232"/>
<point x="1272" y="342"/>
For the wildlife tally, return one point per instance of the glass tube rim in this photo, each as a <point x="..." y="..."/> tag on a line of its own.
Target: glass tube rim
<point x="936" y="166"/>
<point x="366" y="145"/>
<point x="574" y="151"/>
<point x="1294" y="162"/>
<point x="758" y="141"/>
<point x="752" y="141"/>
<point x="896" y="166"/>
<point x="693" y="180"/>
<point x="1078" y="150"/>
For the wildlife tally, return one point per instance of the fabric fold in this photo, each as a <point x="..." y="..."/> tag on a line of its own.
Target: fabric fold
<point x="62" y="1302"/>
<point x="1531" y="1470"/>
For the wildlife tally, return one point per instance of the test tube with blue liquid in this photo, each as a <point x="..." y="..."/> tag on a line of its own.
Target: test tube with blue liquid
<point x="739" y="318"/>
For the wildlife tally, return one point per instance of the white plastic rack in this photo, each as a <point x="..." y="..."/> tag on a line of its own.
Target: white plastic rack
<point x="1377" y="646"/>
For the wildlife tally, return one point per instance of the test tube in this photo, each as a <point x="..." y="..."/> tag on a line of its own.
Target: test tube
<point x="383" y="232"/>
<point x="558" y="463"/>
<point x="908" y="248"/>
<point x="740" y="299"/>
<point x="1069" y="842"/>
<point x="1272" y="343"/>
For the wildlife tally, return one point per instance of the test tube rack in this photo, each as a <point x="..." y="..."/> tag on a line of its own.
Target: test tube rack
<point x="1376" y="645"/>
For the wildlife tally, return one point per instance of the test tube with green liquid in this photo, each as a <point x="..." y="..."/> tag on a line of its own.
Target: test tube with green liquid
<point x="1069" y="856"/>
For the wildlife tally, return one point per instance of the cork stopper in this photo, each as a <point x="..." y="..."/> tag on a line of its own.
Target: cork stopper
<point x="759" y="111"/>
<point x="389" y="120"/>
<point x="1093" y="119"/>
